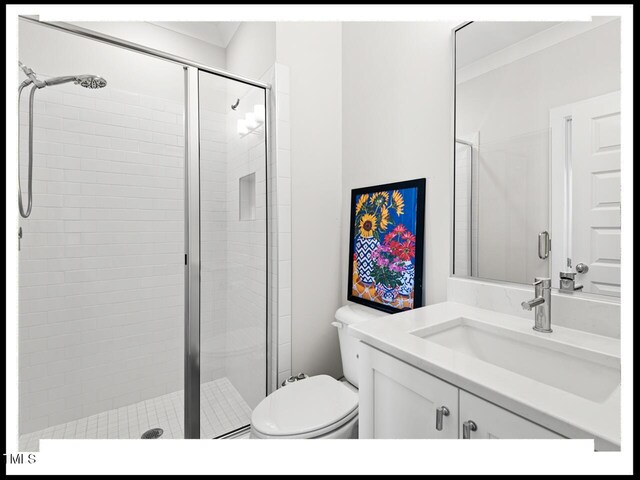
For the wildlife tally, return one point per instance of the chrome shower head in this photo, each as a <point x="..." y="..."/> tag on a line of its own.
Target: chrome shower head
<point x="91" y="81"/>
<point x="86" y="81"/>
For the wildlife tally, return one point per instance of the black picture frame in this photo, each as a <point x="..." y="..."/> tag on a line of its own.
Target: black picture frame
<point x="418" y="287"/>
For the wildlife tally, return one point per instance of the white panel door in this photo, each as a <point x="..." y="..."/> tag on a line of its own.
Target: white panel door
<point x="493" y="422"/>
<point x="400" y="401"/>
<point x="595" y="138"/>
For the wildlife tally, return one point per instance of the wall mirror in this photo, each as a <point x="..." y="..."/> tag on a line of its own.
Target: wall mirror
<point x="537" y="153"/>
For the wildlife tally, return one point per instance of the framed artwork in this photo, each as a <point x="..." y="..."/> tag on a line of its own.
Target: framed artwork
<point x="386" y="244"/>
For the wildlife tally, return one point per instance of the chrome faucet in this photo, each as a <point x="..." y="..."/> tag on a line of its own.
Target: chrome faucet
<point x="568" y="282"/>
<point x="542" y="304"/>
<point x="568" y="279"/>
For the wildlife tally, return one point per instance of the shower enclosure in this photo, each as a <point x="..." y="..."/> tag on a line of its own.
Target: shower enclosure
<point x="144" y="300"/>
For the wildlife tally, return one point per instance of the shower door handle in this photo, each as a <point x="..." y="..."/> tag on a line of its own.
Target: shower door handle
<point x="544" y="245"/>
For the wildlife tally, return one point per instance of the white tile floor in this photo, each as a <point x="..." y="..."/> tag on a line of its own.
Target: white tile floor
<point x="222" y="410"/>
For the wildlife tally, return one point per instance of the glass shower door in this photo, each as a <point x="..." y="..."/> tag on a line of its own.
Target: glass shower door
<point x="512" y="196"/>
<point x="101" y="263"/>
<point x="233" y="253"/>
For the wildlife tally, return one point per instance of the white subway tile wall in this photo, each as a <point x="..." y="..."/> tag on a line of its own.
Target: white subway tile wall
<point x="213" y="231"/>
<point x="101" y="266"/>
<point x="247" y="250"/>
<point x="282" y="187"/>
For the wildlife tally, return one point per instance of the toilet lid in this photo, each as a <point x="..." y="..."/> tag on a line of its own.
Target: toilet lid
<point x="304" y="406"/>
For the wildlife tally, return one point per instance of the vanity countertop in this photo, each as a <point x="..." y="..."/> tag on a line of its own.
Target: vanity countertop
<point x="566" y="413"/>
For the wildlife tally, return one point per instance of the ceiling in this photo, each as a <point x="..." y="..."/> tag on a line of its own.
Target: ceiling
<point x="480" y="39"/>
<point x="215" y="33"/>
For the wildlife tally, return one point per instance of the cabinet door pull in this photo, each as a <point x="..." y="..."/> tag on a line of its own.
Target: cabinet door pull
<point x="440" y="413"/>
<point x="468" y="427"/>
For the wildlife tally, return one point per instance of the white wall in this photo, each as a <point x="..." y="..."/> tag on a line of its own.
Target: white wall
<point x="313" y="53"/>
<point x="515" y="99"/>
<point x="509" y="108"/>
<point x="163" y="39"/>
<point x="397" y="98"/>
<point x="252" y="49"/>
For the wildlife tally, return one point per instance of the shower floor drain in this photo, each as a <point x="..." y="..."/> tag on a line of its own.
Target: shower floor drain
<point x="153" y="433"/>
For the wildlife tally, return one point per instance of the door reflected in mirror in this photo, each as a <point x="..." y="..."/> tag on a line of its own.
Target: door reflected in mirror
<point x="537" y="153"/>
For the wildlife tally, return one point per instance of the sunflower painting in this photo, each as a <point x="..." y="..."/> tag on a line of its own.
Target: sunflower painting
<point x="367" y="225"/>
<point x="385" y="245"/>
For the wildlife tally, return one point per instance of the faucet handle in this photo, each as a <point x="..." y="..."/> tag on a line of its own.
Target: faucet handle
<point x="532" y="303"/>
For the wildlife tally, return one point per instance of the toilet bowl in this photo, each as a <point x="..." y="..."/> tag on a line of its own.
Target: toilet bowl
<point x="319" y="406"/>
<point x="316" y="407"/>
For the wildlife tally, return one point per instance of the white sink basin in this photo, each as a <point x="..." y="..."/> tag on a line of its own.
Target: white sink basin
<point x="586" y="373"/>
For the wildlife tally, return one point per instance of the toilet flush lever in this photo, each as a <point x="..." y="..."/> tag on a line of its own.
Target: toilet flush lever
<point x="440" y="414"/>
<point x="337" y="324"/>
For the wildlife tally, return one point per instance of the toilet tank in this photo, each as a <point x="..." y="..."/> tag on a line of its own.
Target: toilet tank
<point x="349" y="346"/>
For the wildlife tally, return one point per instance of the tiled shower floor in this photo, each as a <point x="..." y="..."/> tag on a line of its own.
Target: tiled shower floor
<point x="222" y="410"/>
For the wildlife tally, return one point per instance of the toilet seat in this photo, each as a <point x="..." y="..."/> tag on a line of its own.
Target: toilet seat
<point x="305" y="409"/>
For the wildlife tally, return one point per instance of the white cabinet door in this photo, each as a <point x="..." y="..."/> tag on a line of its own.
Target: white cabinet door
<point x="493" y="422"/>
<point x="400" y="401"/>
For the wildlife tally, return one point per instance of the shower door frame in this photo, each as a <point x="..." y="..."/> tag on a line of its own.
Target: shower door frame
<point x="192" y="211"/>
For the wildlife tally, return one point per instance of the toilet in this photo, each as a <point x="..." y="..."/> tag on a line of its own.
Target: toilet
<point x="319" y="406"/>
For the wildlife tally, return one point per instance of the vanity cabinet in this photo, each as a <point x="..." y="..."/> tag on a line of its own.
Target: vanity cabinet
<point x="398" y="400"/>
<point x="493" y="422"/>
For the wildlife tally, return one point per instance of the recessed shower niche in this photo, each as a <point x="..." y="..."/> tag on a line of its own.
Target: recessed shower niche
<point x="248" y="197"/>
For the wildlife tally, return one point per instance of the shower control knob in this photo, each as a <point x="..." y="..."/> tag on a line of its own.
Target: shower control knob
<point x="582" y="268"/>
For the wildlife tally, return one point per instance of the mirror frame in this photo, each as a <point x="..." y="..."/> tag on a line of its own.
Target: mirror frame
<point x="452" y="164"/>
